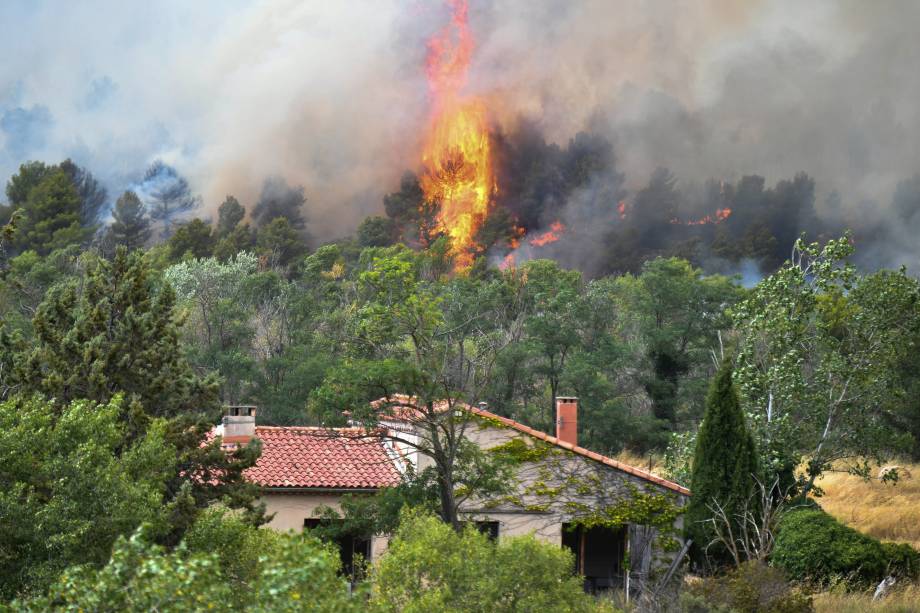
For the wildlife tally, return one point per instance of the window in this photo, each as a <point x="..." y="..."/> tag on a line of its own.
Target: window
<point x="489" y="528"/>
<point x="353" y="548"/>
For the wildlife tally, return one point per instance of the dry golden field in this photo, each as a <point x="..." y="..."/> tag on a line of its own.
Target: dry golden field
<point x="890" y="512"/>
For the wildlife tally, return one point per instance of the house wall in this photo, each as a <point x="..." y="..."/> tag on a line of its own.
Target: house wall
<point x="561" y="473"/>
<point x="290" y="509"/>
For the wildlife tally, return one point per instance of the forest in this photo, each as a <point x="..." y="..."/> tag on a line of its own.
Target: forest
<point x="126" y="329"/>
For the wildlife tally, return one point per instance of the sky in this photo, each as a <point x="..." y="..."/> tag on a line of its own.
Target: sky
<point x="331" y="95"/>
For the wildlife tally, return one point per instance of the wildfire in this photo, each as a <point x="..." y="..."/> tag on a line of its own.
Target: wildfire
<point x="550" y="236"/>
<point x="621" y="209"/>
<point x="456" y="154"/>
<point x="720" y="216"/>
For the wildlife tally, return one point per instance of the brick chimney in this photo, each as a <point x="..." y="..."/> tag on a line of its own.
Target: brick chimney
<point x="567" y="419"/>
<point x="239" y="424"/>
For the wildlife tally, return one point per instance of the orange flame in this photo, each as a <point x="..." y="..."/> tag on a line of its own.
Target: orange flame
<point x="550" y="236"/>
<point x="621" y="209"/>
<point x="456" y="153"/>
<point x="721" y="215"/>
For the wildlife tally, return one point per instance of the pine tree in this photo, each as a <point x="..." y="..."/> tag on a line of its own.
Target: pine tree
<point x="114" y="333"/>
<point x="725" y="464"/>
<point x="130" y="226"/>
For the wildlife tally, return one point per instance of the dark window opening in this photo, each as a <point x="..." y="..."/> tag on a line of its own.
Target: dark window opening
<point x="489" y="528"/>
<point x="354" y="549"/>
<point x="599" y="555"/>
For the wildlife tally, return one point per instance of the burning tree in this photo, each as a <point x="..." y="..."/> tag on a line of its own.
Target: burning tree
<point x="456" y="154"/>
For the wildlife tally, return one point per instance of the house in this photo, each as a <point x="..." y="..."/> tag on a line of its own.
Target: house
<point x="558" y="485"/>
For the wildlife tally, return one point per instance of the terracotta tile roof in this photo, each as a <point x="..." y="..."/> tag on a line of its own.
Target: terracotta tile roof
<point x="303" y="457"/>
<point x="632" y="470"/>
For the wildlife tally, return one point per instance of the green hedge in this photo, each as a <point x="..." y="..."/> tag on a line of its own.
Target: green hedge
<point x="813" y="546"/>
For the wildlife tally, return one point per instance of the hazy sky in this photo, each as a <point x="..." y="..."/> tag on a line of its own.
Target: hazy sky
<point x="331" y="95"/>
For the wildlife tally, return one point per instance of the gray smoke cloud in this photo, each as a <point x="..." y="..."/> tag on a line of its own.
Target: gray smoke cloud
<point x="332" y="95"/>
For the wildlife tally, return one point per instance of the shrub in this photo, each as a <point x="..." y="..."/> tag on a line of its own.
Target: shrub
<point x="299" y="575"/>
<point x="430" y="567"/>
<point x="813" y="546"/>
<point x="753" y="587"/>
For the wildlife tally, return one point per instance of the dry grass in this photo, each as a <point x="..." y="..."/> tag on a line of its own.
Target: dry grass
<point x="906" y="600"/>
<point x="890" y="512"/>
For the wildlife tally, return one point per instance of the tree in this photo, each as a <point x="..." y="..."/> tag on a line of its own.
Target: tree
<point x="218" y="324"/>
<point x="168" y="196"/>
<point x="552" y="324"/>
<point x="231" y="234"/>
<point x="230" y="214"/>
<point x="679" y="313"/>
<point x="422" y="363"/>
<point x="72" y="482"/>
<point x="817" y="361"/>
<point x="92" y="194"/>
<point x="130" y="224"/>
<point x="725" y="464"/>
<point x="429" y="567"/>
<point x="409" y="211"/>
<point x="280" y="242"/>
<point x="112" y="332"/>
<point x="278" y="199"/>
<point x="377" y="232"/>
<point x="51" y="209"/>
<point x="193" y="239"/>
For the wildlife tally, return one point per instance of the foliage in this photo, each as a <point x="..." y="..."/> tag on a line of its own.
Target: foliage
<point x="72" y="482"/>
<point x="51" y="209"/>
<point x="421" y="349"/>
<point x="130" y="223"/>
<point x="725" y="466"/>
<point x="280" y="242"/>
<point x="193" y="239"/>
<point x="295" y="575"/>
<point x="813" y="546"/>
<point x="430" y="567"/>
<point x="112" y="332"/>
<point x="753" y="587"/>
<point x="167" y="195"/>
<point x="817" y="359"/>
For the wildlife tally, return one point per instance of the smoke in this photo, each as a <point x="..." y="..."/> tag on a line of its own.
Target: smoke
<point x="331" y="96"/>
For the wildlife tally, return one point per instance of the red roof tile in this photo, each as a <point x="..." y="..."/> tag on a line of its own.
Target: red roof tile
<point x="302" y="457"/>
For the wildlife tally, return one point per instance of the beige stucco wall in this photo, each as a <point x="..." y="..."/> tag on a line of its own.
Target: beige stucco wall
<point x="290" y="509"/>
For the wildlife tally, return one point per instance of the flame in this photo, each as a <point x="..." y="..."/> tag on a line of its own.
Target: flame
<point x="508" y="263"/>
<point x="550" y="236"/>
<point x="456" y="154"/>
<point x="621" y="209"/>
<point x="720" y="216"/>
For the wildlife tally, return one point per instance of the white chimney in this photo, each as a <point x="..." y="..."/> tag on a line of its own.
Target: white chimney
<point x="239" y="424"/>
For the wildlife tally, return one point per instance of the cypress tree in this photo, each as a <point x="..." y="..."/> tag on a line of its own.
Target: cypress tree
<point x="725" y="463"/>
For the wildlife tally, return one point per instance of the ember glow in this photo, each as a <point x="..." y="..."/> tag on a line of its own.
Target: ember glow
<point x="550" y="236"/>
<point x="456" y="156"/>
<point x="720" y="216"/>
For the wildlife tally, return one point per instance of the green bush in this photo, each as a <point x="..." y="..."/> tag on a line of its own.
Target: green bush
<point x="753" y="588"/>
<point x="430" y="567"/>
<point x="299" y="575"/>
<point x="813" y="546"/>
